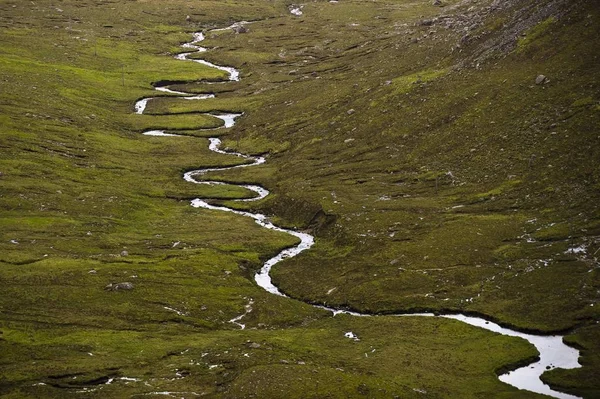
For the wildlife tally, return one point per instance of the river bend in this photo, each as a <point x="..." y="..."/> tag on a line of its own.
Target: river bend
<point x="553" y="352"/>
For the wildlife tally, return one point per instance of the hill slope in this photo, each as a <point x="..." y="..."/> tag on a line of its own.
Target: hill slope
<point x="419" y="143"/>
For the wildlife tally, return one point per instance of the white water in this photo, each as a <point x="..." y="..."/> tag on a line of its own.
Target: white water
<point x="140" y="106"/>
<point x="232" y="26"/>
<point x="229" y="119"/>
<point x="233" y="73"/>
<point x="166" y="90"/>
<point x="200" y="97"/>
<point x="247" y="309"/>
<point x="160" y="133"/>
<point x="553" y="352"/>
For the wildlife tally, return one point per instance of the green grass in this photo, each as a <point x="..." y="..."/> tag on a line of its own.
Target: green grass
<point x="395" y="231"/>
<point x="535" y="33"/>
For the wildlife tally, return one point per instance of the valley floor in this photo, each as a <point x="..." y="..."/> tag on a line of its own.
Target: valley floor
<point x="444" y="158"/>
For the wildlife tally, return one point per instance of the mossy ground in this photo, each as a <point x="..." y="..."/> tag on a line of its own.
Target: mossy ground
<point x="432" y="179"/>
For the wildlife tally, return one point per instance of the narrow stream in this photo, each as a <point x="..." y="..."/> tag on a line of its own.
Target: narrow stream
<point x="553" y="352"/>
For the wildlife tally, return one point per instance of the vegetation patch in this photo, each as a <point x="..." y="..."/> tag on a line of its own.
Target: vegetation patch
<point x="435" y="173"/>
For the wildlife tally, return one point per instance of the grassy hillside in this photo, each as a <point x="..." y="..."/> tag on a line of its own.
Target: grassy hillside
<point x="411" y="139"/>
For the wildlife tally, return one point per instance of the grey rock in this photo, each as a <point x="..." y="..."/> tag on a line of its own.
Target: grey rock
<point x="350" y="111"/>
<point x="124" y="253"/>
<point x="239" y="29"/>
<point x="254" y="345"/>
<point x="119" y="286"/>
<point x="541" y="79"/>
<point x="437" y="3"/>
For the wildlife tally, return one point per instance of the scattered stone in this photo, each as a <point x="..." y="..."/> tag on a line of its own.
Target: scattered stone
<point x="437" y="3"/>
<point x="254" y="345"/>
<point x="119" y="286"/>
<point x="351" y="336"/>
<point x="296" y="10"/>
<point x="188" y="18"/>
<point x="93" y="271"/>
<point x="541" y="79"/>
<point x="124" y="253"/>
<point x="350" y="111"/>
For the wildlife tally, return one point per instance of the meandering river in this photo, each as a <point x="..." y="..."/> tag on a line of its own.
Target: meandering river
<point x="553" y="352"/>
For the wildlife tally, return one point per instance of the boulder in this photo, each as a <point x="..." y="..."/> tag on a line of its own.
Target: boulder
<point x="239" y="29"/>
<point x="541" y="79"/>
<point x="119" y="286"/>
